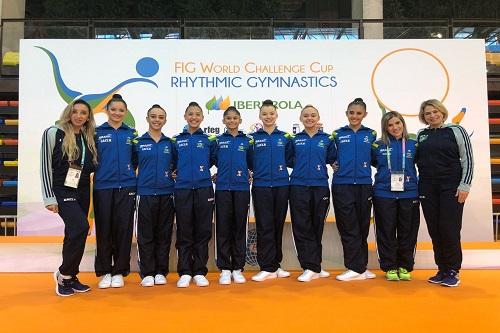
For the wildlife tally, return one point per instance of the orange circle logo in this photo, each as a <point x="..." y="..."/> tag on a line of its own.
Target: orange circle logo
<point x="388" y="107"/>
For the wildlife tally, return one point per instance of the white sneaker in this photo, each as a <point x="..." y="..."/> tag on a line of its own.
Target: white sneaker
<point x="117" y="281"/>
<point x="350" y="275"/>
<point x="263" y="275"/>
<point x="370" y="275"/>
<point x="201" y="281"/>
<point x="281" y="273"/>
<point x="148" y="281"/>
<point x="160" y="279"/>
<point x="105" y="282"/>
<point x="225" y="277"/>
<point x="183" y="281"/>
<point x="308" y="276"/>
<point x="324" y="274"/>
<point x="238" y="277"/>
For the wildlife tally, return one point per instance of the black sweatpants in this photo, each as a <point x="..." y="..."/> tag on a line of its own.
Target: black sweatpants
<point x="308" y="208"/>
<point x="73" y="207"/>
<point x="443" y="215"/>
<point x="114" y="223"/>
<point x="194" y="210"/>
<point x="155" y="218"/>
<point x="396" y="222"/>
<point x="270" y="206"/>
<point x="231" y="212"/>
<point x="352" y="205"/>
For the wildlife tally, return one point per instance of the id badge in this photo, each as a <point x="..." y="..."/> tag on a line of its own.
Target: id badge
<point x="397" y="181"/>
<point x="73" y="177"/>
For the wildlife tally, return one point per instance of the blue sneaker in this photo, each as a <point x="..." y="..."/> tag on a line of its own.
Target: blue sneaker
<point x="438" y="278"/>
<point x="63" y="286"/>
<point x="451" y="279"/>
<point x="77" y="286"/>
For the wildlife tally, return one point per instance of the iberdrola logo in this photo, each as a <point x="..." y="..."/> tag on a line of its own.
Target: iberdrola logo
<point x="218" y="103"/>
<point x="145" y="67"/>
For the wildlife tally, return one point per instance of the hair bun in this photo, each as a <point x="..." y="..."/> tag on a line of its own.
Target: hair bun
<point x="358" y="99"/>
<point x="267" y="102"/>
<point x="156" y="106"/>
<point x="117" y="96"/>
<point x="193" y="104"/>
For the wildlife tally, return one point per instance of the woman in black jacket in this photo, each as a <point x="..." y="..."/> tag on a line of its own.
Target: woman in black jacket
<point x="445" y="165"/>
<point x="68" y="157"/>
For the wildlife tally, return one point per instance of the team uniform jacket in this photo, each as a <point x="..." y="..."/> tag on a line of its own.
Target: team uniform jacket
<point x="54" y="166"/>
<point x="233" y="160"/>
<point x="194" y="155"/>
<point x="353" y="155"/>
<point x="382" y="185"/>
<point x="117" y="170"/>
<point x="269" y="158"/>
<point x="314" y="154"/>
<point x="448" y="156"/>
<point x="155" y="165"/>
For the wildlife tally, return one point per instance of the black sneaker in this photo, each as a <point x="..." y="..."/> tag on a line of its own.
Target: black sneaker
<point x="438" y="278"/>
<point x="77" y="286"/>
<point x="451" y="279"/>
<point x="63" y="286"/>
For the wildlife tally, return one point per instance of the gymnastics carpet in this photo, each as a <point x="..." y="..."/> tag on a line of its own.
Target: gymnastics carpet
<point x="29" y="304"/>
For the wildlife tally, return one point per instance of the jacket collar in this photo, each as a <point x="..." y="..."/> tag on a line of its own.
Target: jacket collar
<point x="303" y="132"/>
<point x="197" y="132"/>
<point x="362" y="128"/>
<point x="107" y="125"/>
<point x="240" y="134"/>
<point x="146" y="136"/>
<point x="275" y="131"/>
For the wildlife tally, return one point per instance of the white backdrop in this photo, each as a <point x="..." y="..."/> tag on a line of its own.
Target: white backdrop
<point x="395" y="74"/>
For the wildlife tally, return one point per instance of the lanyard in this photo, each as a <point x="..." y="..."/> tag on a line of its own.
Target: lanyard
<point x="403" y="150"/>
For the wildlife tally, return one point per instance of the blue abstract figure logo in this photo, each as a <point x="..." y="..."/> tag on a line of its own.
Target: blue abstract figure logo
<point x="146" y="67"/>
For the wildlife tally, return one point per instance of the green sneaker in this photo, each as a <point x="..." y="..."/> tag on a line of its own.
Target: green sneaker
<point x="404" y="275"/>
<point x="392" y="275"/>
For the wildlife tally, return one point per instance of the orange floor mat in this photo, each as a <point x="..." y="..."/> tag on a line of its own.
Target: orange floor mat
<point x="29" y="304"/>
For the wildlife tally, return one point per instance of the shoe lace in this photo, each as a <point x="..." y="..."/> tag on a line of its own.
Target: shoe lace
<point x="403" y="270"/>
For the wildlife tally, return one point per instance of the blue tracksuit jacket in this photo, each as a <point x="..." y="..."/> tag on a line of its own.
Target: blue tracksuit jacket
<point x="155" y="165"/>
<point x="382" y="185"/>
<point x="310" y="157"/>
<point x="270" y="154"/>
<point x="116" y="160"/>
<point x="353" y="155"/>
<point x="194" y="155"/>
<point x="233" y="159"/>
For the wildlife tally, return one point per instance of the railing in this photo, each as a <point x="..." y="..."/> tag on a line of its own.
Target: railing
<point x="12" y="30"/>
<point x="252" y="29"/>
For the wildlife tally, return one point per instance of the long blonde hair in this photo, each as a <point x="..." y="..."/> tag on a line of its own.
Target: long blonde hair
<point x="385" y="124"/>
<point x="69" y="146"/>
